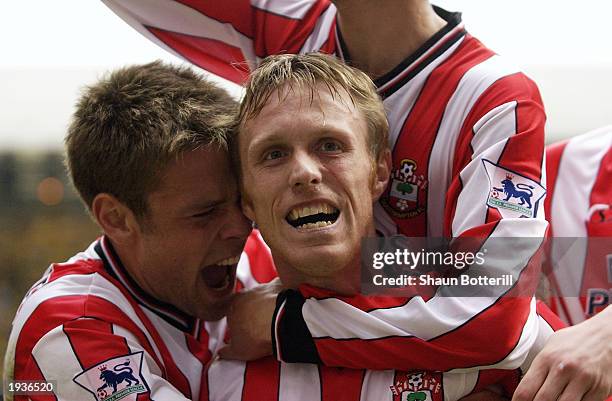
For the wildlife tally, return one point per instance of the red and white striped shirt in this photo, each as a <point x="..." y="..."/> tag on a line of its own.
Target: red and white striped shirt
<point x="579" y="205"/>
<point x="270" y="380"/>
<point x="461" y="119"/>
<point x="87" y="317"/>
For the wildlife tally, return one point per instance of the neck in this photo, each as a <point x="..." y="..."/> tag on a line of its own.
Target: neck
<point x="343" y="282"/>
<point x="381" y="34"/>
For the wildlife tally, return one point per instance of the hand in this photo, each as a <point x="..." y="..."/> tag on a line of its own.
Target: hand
<point x="484" y="395"/>
<point x="250" y="322"/>
<point x="574" y="365"/>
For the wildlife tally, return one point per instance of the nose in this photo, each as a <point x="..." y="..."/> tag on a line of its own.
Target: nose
<point x="236" y="225"/>
<point x="305" y="171"/>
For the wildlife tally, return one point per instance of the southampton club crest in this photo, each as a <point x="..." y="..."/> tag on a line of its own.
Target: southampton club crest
<point x="417" y="386"/>
<point x="402" y="197"/>
<point x="114" y="379"/>
<point x="512" y="194"/>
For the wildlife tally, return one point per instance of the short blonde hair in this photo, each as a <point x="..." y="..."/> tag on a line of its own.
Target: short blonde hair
<point x="305" y="71"/>
<point x="128" y="126"/>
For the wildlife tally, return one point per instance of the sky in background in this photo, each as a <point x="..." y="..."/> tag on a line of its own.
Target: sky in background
<point x="49" y="50"/>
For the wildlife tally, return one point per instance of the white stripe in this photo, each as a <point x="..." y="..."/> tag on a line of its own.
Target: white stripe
<point x="244" y="273"/>
<point x="544" y="332"/>
<point x="176" y="343"/>
<point x="216" y="334"/>
<point x="176" y="17"/>
<point x="399" y="104"/>
<point x="299" y="381"/>
<point x="320" y="33"/>
<point x="82" y="285"/>
<point x="458" y="385"/>
<point x="471" y="86"/>
<point x="281" y="311"/>
<point x="226" y="380"/>
<point x="52" y="348"/>
<point x="296" y="9"/>
<point x="491" y="133"/>
<point x="376" y="385"/>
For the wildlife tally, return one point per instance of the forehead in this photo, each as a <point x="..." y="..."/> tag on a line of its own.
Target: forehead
<point x="196" y="176"/>
<point x="303" y="109"/>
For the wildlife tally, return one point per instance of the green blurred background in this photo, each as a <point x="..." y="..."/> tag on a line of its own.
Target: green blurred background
<point x="41" y="221"/>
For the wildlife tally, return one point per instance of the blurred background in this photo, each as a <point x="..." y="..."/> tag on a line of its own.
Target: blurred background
<point x="52" y="49"/>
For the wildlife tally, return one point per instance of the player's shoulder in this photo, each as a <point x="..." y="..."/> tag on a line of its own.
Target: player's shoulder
<point x="488" y="68"/>
<point x="69" y="290"/>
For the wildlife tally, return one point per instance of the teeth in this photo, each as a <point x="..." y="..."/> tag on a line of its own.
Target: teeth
<point x="294" y="215"/>
<point x="318" y="224"/>
<point x="310" y="210"/>
<point x="229" y="261"/>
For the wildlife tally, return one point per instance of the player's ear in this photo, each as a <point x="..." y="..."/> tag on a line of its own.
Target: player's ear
<point x="116" y="219"/>
<point x="382" y="170"/>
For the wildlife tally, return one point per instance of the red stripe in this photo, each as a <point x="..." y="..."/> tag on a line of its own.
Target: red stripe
<point x="199" y="349"/>
<point x="93" y="341"/>
<point x="362" y="302"/>
<point x="260" y="259"/>
<point x="261" y="380"/>
<point x="601" y="192"/>
<point x="214" y="56"/>
<point x="553" y="160"/>
<point x="34" y="373"/>
<point x="421" y="128"/>
<point x="84" y="266"/>
<point x="340" y="384"/>
<point x="553" y="320"/>
<point x="275" y="34"/>
<point x="329" y="47"/>
<point x="524" y="150"/>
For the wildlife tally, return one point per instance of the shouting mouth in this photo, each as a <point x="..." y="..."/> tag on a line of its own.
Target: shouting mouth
<point x="314" y="216"/>
<point x="220" y="276"/>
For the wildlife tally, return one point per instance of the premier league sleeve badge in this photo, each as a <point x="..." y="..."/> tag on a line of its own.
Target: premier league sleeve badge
<point x="115" y="379"/>
<point x="511" y="193"/>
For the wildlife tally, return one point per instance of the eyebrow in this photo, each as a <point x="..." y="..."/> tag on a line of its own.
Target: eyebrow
<point x="278" y="138"/>
<point x="197" y="206"/>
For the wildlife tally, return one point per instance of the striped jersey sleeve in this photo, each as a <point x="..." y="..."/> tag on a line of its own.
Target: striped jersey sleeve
<point x="79" y="331"/>
<point x="230" y="38"/>
<point x="579" y="206"/>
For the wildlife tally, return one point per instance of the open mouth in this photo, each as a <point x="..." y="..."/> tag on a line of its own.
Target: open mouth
<point x="220" y="276"/>
<point x="314" y="216"/>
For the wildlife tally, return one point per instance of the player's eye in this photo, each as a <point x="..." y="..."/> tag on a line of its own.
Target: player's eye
<point x="330" y="146"/>
<point x="203" y="214"/>
<point x="274" y="154"/>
